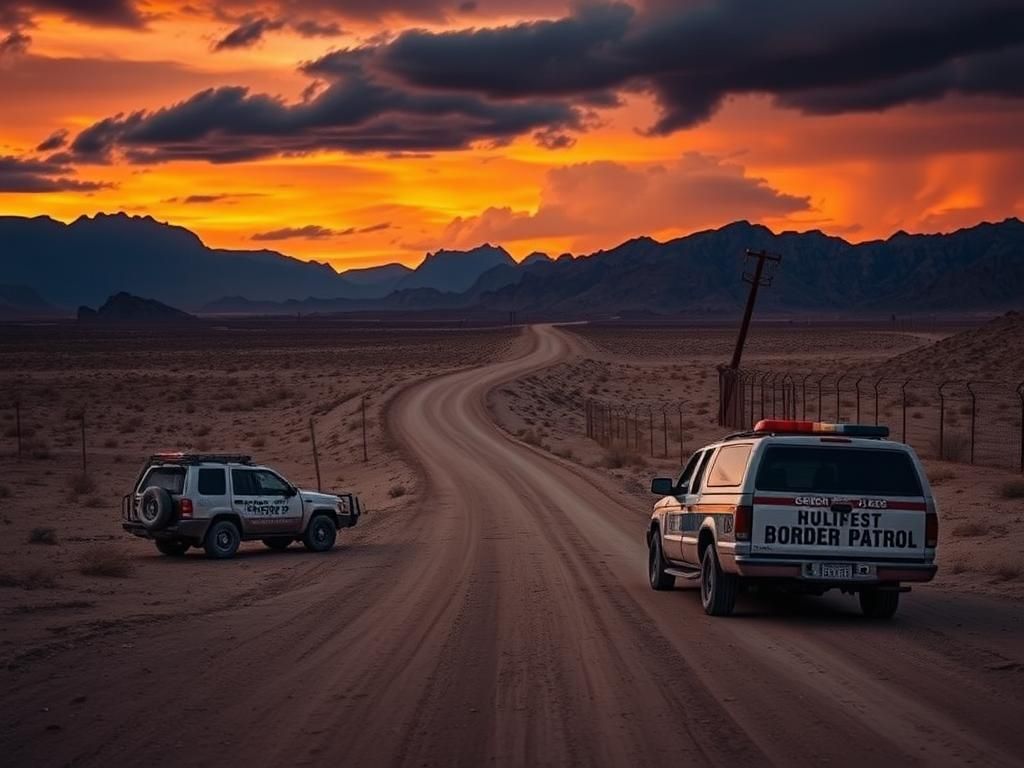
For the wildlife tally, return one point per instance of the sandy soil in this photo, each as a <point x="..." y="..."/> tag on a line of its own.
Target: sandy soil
<point x="501" y="615"/>
<point x="248" y="388"/>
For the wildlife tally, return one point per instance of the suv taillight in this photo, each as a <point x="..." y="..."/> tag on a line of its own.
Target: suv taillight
<point x="931" y="529"/>
<point x="185" y="508"/>
<point x="743" y="521"/>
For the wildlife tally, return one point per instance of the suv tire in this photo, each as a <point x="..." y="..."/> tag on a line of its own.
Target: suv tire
<point x="656" y="564"/>
<point x="320" y="534"/>
<point x="879" y="603"/>
<point x="222" y="540"/>
<point x="717" y="588"/>
<point x="156" y="508"/>
<point x="172" y="547"/>
<point x="277" y="544"/>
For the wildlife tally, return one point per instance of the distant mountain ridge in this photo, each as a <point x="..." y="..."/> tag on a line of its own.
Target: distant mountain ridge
<point x="976" y="269"/>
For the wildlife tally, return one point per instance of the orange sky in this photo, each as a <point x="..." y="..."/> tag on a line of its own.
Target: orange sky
<point x="928" y="166"/>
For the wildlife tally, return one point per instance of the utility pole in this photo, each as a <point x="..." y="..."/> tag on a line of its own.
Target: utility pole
<point x="756" y="280"/>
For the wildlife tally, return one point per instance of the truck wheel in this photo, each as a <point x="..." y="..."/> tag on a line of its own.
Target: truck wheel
<point x="320" y="534"/>
<point x="156" y="508"/>
<point x="717" y="589"/>
<point x="656" y="565"/>
<point x="172" y="547"/>
<point x="278" y="544"/>
<point x="879" y="603"/>
<point x="222" y="540"/>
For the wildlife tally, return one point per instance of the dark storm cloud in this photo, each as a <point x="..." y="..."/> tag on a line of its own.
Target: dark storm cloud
<point x="54" y="141"/>
<point x="803" y="52"/>
<point x="351" y="113"/>
<point x="108" y="13"/>
<point x="247" y="33"/>
<point x="308" y="232"/>
<point x="14" y="43"/>
<point x="33" y="175"/>
<point x="312" y="28"/>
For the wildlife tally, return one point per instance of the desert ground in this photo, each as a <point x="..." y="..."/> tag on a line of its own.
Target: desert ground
<point x="492" y="607"/>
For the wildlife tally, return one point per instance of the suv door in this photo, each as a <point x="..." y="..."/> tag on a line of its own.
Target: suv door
<point x="692" y="518"/>
<point x="265" y="502"/>
<point x="210" y="496"/>
<point x="672" y="533"/>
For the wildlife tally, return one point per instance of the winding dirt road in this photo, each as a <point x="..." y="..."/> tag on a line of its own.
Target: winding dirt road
<point x="506" y="619"/>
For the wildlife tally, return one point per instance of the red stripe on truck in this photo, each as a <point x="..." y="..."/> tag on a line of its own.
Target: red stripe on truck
<point x="779" y="501"/>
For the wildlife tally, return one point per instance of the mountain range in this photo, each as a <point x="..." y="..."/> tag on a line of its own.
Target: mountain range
<point x="973" y="269"/>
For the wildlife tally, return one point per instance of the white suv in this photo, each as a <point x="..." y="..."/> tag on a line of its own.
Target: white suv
<point x="797" y="507"/>
<point x="216" y="501"/>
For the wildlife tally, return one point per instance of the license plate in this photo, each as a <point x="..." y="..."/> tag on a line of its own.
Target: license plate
<point x="836" y="571"/>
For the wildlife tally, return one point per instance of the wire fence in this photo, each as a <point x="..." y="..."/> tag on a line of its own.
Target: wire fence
<point x="658" y="430"/>
<point x="976" y="422"/>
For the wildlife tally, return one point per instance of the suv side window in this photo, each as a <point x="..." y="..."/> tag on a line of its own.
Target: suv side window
<point x="729" y="467"/>
<point x="242" y="482"/>
<point x="683" y="484"/>
<point x="699" y="474"/>
<point x="270" y="484"/>
<point x="212" y="482"/>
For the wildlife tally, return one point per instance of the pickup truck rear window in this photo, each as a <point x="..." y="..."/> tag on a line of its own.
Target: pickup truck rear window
<point x="855" y="471"/>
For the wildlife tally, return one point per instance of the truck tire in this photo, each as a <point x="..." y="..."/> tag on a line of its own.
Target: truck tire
<point x="656" y="564"/>
<point x="717" y="588"/>
<point x="222" y="540"/>
<point x="277" y="544"/>
<point x="172" y="547"/>
<point x="879" y="603"/>
<point x="156" y="508"/>
<point x="320" y="534"/>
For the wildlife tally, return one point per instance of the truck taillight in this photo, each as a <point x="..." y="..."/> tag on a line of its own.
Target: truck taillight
<point x="185" y="508"/>
<point x="931" y="529"/>
<point x="743" y="521"/>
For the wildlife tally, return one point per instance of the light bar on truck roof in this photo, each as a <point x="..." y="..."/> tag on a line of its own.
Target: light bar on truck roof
<point x="794" y="427"/>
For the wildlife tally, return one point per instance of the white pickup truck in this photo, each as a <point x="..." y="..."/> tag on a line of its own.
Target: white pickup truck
<point x="799" y="507"/>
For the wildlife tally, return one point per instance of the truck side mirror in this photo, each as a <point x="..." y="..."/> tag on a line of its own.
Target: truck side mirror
<point x="663" y="486"/>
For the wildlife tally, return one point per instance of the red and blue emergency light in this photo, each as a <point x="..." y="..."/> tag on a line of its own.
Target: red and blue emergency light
<point x="794" y="427"/>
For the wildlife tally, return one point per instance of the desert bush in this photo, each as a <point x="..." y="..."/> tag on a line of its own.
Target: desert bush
<point x="958" y="567"/>
<point x="617" y="456"/>
<point x="396" y="491"/>
<point x="530" y="437"/>
<point x="110" y="442"/>
<point x="970" y="529"/>
<point x="94" y="502"/>
<point x="1006" y="570"/>
<point x="42" y="536"/>
<point x="259" y="441"/>
<point x="1012" y="489"/>
<point x="37" y="578"/>
<point x="5" y="492"/>
<point x="105" y="560"/>
<point x="939" y="476"/>
<point x="81" y="484"/>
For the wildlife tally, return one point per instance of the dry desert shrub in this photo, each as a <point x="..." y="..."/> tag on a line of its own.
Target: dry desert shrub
<point x="396" y="491"/>
<point x="42" y="536"/>
<point x="970" y="529"/>
<point x="105" y="560"/>
<point x="81" y="484"/>
<point x="940" y="476"/>
<point x="958" y="567"/>
<point x="617" y="456"/>
<point x="530" y="437"/>
<point x="1006" y="570"/>
<point x="1012" y="489"/>
<point x="5" y="492"/>
<point x="33" y="578"/>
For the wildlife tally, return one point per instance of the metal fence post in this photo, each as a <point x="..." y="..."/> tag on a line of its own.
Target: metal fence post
<point x="942" y="421"/>
<point x="680" y="410"/>
<point x="857" y="386"/>
<point x="876" y="399"/>
<point x="820" y="379"/>
<point x="664" y="430"/>
<point x="974" y="413"/>
<point x="650" y="424"/>
<point x="803" y="395"/>
<point x="903" y="389"/>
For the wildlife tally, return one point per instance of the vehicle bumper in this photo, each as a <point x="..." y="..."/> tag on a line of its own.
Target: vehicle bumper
<point x="182" y="529"/>
<point x="807" y="569"/>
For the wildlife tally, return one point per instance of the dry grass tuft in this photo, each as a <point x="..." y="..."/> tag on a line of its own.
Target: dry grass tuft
<point x="1006" y="570"/>
<point x="1012" y="489"/>
<point x="396" y="491"/>
<point x="106" y="560"/>
<point x="42" y="536"/>
<point x="81" y="484"/>
<point x="618" y="456"/>
<point x="33" y="578"/>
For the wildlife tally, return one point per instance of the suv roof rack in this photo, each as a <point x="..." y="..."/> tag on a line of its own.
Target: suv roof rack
<point x="200" y="458"/>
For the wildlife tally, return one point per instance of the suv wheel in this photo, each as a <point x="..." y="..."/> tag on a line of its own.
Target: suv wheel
<point x="879" y="603"/>
<point x="156" y="508"/>
<point x="717" y="589"/>
<point x="222" y="540"/>
<point x="172" y="547"/>
<point x="320" y="534"/>
<point x="278" y="544"/>
<point x="656" y="564"/>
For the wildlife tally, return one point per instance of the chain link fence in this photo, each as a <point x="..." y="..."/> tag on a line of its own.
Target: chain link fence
<point x="976" y="422"/>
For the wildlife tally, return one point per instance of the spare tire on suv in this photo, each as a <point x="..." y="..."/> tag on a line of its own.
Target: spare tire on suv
<point x="156" y="508"/>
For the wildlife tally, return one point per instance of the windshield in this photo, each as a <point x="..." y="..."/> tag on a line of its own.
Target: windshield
<point x="856" y="471"/>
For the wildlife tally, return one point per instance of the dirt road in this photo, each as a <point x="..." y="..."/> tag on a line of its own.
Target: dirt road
<point x="505" y="618"/>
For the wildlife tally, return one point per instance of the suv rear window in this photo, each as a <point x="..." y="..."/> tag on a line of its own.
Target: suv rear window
<point x="171" y="479"/>
<point x="856" y="471"/>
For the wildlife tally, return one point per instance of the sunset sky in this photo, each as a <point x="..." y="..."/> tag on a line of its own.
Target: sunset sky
<point x="367" y="131"/>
